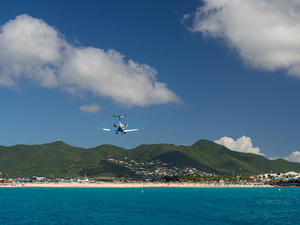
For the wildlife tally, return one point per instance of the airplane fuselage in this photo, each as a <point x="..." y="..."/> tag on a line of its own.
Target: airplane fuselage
<point x="120" y="128"/>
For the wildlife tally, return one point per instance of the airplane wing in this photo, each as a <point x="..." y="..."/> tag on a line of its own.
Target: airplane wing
<point x="131" y="130"/>
<point x="104" y="129"/>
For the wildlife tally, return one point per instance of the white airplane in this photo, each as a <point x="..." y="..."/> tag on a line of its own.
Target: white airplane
<point x="120" y="127"/>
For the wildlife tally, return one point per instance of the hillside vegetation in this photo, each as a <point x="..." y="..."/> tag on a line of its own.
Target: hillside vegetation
<point x="59" y="159"/>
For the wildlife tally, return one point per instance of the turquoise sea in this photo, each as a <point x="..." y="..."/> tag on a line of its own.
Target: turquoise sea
<point x="153" y="206"/>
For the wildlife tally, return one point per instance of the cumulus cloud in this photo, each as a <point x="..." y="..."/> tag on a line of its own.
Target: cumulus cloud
<point x="91" y="108"/>
<point x="293" y="157"/>
<point x="242" y="144"/>
<point x="264" y="33"/>
<point x="33" y="50"/>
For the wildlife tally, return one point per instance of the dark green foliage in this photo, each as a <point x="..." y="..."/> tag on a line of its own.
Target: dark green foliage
<point x="59" y="159"/>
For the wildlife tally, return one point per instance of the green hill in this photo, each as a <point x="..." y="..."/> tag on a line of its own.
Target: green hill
<point x="59" y="159"/>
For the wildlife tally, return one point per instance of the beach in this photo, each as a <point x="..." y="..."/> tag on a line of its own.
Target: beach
<point x="135" y="185"/>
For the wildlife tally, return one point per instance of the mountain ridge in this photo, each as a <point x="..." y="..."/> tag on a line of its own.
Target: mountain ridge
<point x="59" y="159"/>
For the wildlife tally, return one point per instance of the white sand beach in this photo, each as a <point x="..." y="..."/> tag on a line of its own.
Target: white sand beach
<point x="135" y="185"/>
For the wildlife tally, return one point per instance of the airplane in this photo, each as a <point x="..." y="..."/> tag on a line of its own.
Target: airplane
<point x="120" y="127"/>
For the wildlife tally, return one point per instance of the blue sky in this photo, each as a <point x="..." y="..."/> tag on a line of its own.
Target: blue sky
<point x="221" y="93"/>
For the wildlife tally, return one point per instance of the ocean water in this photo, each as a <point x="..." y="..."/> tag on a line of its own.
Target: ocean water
<point x="153" y="206"/>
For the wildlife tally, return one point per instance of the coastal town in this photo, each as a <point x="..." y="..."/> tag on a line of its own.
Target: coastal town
<point x="160" y="172"/>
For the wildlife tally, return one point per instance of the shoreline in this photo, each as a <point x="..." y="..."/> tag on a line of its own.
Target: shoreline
<point x="136" y="185"/>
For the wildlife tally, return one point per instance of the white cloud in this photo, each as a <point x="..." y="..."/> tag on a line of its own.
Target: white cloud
<point x="107" y="74"/>
<point x="242" y="144"/>
<point x="264" y="33"/>
<point x="91" y="108"/>
<point x="293" y="157"/>
<point x="32" y="49"/>
<point x="29" y="48"/>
